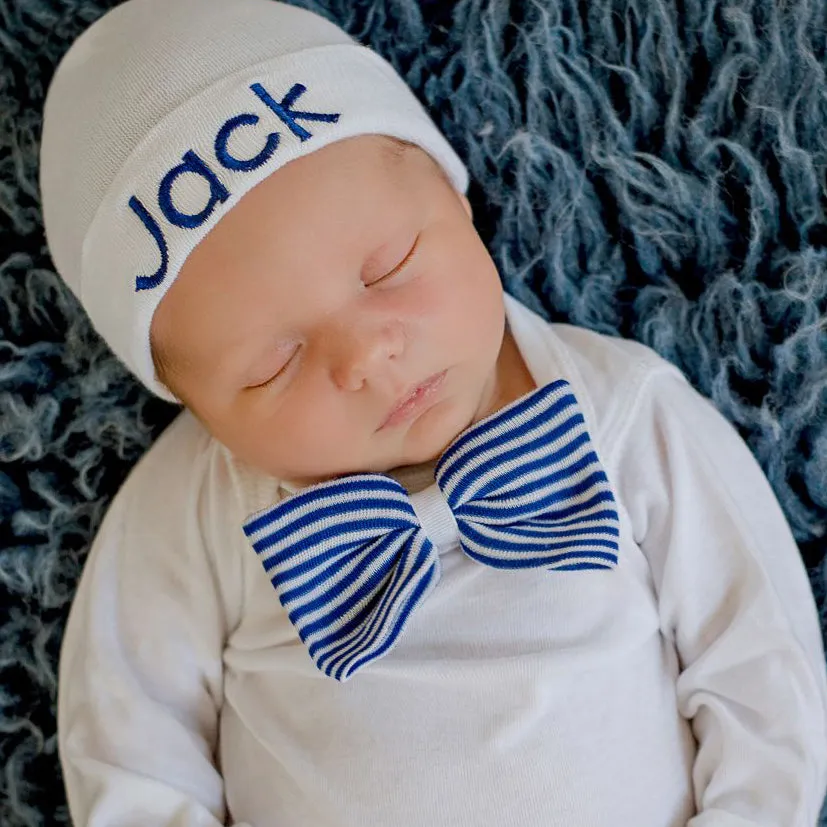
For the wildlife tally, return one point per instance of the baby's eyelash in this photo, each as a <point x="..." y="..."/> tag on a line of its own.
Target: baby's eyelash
<point x="398" y="266"/>
<point x="276" y="375"/>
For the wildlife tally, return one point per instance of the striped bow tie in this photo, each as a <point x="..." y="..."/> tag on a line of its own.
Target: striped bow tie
<point x="349" y="557"/>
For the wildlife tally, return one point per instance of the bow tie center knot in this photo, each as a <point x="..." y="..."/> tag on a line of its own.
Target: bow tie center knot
<point x="435" y="516"/>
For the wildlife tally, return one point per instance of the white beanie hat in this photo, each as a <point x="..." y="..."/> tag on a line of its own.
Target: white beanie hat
<point x="164" y="113"/>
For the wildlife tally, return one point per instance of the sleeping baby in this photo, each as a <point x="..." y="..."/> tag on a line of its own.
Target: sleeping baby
<point x="410" y="554"/>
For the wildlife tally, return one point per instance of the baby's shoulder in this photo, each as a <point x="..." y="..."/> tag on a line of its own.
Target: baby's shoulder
<point x="604" y="357"/>
<point x="609" y="371"/>
<point x="174" y="524"/>
<point x="179" y="456"/>
<point x="187" y="474"/>
<point x="181" y="468"/>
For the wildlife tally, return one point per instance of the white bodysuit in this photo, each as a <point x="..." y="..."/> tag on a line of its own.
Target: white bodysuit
<point x="684" y="687"/>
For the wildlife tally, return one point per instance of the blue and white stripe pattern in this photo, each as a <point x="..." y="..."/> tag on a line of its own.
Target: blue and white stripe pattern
<point x="527" y="489"/>
<point x="350" y="560"/>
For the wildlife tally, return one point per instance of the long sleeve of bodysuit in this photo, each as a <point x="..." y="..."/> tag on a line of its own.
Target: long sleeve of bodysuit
<point x="141" y="664"/>
<point x="733" y="598"/>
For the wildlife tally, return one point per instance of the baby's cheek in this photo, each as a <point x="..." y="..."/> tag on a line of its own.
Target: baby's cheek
<point x="481" y="329"/>
<point x="308" y="437"/>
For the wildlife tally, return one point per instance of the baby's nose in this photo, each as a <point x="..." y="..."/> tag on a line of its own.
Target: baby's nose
<point x="362" y="354"/>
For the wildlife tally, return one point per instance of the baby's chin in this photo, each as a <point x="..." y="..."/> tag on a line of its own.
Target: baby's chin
<point x="416" y="443"/>
<point x="428" y="438"/>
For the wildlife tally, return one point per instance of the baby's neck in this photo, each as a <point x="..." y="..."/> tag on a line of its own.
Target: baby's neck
<point x="414" y="477"/>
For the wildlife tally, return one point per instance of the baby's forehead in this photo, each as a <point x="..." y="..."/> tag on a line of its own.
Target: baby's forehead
<point x="392" y="152"/>
<point x="334" y="182"/>
<point x="360" y="162"/>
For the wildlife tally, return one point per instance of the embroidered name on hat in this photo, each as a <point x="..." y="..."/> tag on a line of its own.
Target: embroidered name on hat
<point x="194" y="164"/>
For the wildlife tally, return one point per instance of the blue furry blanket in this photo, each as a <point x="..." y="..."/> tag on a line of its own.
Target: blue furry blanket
<point x="653" y="168"/>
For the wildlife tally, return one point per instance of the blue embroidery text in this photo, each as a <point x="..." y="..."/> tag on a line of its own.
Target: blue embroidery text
<point x="194" y="164"/>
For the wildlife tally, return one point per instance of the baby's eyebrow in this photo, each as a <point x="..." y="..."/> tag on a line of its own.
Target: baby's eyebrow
<point x="161" y="359"/>
<point x="395" y="149"/>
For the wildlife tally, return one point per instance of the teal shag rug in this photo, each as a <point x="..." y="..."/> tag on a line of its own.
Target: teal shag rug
<point x="650" y="168"/>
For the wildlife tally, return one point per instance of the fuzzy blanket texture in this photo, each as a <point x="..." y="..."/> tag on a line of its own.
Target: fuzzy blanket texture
<point x="648" y="168"/>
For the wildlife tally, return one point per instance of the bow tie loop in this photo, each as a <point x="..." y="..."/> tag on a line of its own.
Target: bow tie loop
<point x="350" y="560"/>
<point x="527" y="488"/>
<point x="350" y="563"/>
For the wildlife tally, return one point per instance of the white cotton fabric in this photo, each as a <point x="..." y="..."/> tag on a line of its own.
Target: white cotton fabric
<point x="684" y="687"/>
<point x="146" y="89"/>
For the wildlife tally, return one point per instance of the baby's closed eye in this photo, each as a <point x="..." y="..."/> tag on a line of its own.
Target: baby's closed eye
<point x="275" y="368"/>
<point x="398" y="268"/>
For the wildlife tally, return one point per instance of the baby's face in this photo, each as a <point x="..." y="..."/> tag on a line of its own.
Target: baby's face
<point x="333" y="289"/>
